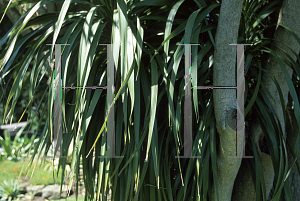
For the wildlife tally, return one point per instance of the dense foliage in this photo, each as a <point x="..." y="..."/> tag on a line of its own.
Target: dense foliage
<point x="149" y="91"/>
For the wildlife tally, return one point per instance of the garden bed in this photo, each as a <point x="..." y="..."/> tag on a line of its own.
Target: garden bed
<point x="19" y="181"/>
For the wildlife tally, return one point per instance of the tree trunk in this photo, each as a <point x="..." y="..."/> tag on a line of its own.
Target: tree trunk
<point x="225" y="99"/>
<point x="288" y="16"/>
<point x="294" y="177"/>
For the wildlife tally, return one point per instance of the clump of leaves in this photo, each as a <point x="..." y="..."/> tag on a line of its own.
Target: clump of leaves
<point x="9" y="191"/>
<point x="17" y="148"/>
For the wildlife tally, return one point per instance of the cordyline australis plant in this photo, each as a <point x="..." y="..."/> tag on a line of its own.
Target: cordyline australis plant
<point x="150" y="90"/>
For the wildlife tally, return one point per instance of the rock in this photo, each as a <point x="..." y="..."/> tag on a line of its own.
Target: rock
<point x="38" y="199"/>
<point x="36" y="190"/>
<point x="24" y="183"/>
<point x="27" y="197"/>
<point x="53" y="192"/>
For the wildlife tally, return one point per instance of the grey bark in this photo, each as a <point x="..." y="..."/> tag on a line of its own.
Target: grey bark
<point x="288" y="16"/>
<point x="225" y="99"/>
<point x="294" y="177"/>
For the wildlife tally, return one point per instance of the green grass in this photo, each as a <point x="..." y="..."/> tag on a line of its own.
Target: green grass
<point x="11" y="170"/>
